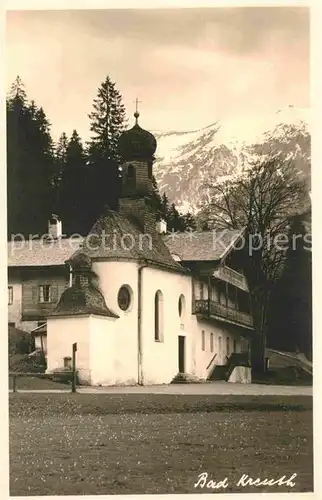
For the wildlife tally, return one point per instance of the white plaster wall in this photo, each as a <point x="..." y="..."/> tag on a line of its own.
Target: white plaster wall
<point x="241" y="374"/>
<point x="203" y="358"/>
<point x="160" y="359"/>
<point x="112" y="275"/>
<point x="14" y="309"/>
<point x="103" y="352"/>
<point x="61" y="334"/>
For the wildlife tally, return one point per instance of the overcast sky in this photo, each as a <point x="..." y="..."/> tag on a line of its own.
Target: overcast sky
<point x="190" y="67"/>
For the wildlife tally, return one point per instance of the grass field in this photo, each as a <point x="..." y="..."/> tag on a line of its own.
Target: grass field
<point x="62" y="444"/>
<point x="38" y="383"/>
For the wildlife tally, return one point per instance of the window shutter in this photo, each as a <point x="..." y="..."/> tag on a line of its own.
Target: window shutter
<point x="35" y="294"/>
<point x="54" y="294"/>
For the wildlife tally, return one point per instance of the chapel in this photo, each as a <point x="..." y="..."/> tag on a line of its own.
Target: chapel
<point x="147" y="307"/>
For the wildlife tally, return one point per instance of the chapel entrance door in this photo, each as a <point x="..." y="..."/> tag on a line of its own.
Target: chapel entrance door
<point x="181" y="353"/>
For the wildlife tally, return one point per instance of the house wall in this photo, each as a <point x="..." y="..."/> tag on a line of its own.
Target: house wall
<point x="14" y="309"/>
<point x="32" y="309"/>
<point x="160" y="359"/>
<point x="61" y="334"/>
<point x="26" y="309"/>
<point x="221" y="332"/>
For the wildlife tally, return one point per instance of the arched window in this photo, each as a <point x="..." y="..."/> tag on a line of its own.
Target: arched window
<point x="211" y="342"/>
<point x="158" y="316"/>
<point x="181" y="306"/>
<point x="203" y="340"/>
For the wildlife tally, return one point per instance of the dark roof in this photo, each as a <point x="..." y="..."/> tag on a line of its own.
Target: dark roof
<point x="201" y="245"/>
<point x="137" y="143"/>
<point x="194" y="246"/>
<point x="115" y="237"/>
<point x="41" y="253"/>
<point x="82" y="300"/>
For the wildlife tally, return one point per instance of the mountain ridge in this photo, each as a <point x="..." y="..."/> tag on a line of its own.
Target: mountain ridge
<point x="186" y="160"/>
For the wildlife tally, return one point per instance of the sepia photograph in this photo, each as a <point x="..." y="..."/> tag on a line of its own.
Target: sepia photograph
<point x="159" y="250"/>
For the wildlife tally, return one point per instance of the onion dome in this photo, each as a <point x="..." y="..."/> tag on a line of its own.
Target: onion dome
<point x="137" y="143"/>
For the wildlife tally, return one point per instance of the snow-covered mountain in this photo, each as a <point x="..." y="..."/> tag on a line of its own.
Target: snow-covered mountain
<point x="187" y="161"/>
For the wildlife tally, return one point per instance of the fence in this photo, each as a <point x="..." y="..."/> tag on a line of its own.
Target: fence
<point x="66" y="374"/>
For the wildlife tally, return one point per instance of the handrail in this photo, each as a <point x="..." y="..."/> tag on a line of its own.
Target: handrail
<point x="211" y="360"/>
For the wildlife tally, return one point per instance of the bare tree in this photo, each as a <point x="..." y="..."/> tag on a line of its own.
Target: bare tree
<point x="261" y="199"/>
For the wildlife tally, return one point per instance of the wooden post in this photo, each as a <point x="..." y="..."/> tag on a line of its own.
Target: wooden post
<point x="74" y="367"/>
<point x="193" y="295"/>
<point x="14" y="386"/>
<point x="209" y="294"/>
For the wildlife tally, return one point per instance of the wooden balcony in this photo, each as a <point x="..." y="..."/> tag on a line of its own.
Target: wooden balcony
<point x="231" y="276"/>
<point x="211" y="309"/>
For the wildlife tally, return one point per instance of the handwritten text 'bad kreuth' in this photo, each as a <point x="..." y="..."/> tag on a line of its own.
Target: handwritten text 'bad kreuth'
<point x="205" y="482"/>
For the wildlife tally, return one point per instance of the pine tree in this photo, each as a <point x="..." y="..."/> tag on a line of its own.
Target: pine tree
<point x="156" y="199"/>
<point x="164" y="206"/>
<point x="61" y="154"/>
<point x="107" y="124"/>
<point x="73" y="188"/>
<point x="189" y="222"/>
<point x="175" y="221"/>
<point x="17" y="92"/>
<point x="30" y="164"/>
<point x="18" y="122"/>
<point x="107" y="120"/>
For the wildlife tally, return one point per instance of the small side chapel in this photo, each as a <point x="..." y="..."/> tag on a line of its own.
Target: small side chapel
<point x="146" y="308"/>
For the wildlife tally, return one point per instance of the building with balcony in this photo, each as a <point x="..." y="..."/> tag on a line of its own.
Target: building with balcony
<point x="142" y="306"/>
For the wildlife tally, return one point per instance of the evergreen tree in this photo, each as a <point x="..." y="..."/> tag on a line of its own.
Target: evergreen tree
<point x="164" y="206"/>
<point x="61" y="155"/>
<point x="29" y="164"/>
<point x="73" y="188"/>
<point x="107" y="120"/>
<point x="290" y="318"/>
<point x="175" y="222"/>
<point x="107" y="124"/>
<point x="156" y="199"/>
<point x="189" y="221"/>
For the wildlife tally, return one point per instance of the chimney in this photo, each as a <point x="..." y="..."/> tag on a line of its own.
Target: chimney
<point x="55" y="227"/>
<point x="161" y="226"/>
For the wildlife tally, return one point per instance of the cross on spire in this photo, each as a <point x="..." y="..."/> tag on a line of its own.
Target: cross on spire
<point x="136" y="114"/>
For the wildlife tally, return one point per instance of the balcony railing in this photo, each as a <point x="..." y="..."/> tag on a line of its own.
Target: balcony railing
<point x="210" y="308"/>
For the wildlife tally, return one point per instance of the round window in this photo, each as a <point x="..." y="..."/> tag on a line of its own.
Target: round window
<point x="124" y="298"/>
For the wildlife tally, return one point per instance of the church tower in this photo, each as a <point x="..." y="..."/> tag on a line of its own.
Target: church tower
<point x="137" y="147"/>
